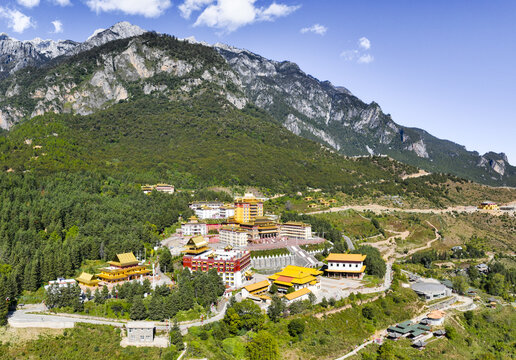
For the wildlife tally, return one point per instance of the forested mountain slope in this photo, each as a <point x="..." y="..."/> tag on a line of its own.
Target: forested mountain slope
<point x="84" y="79"/>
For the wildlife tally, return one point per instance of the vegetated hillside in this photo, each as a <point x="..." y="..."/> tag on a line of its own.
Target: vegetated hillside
<point x="160" y="65"/>
<point x="200" y="142"/>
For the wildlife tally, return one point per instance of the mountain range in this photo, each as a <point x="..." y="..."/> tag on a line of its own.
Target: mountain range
<point x="123" y="63"/>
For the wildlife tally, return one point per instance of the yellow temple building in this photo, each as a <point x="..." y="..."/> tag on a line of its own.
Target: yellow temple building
<point x="126" y="268"/>
<point x="87" y="279"/>
<point x="297" y="277"/>
<point x="196" y="245"/>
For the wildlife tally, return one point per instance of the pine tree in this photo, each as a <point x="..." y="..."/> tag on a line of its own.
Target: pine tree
<point x="138" y="310"/>
<point x="176" y="338"/>
<point x="4" y="305"/>
<point x="105" y="293"/>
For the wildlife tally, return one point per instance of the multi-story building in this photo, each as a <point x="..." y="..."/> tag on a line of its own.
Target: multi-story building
<point x="207" y="212"/>
<point x="248" y="208"/>
<point x="233" y="236"/>
<point x="346" y="265"/>
<point x="296" y="230"/>
<point x="200" y="204"/>
<point x="226" y="212"/>
<point x="194" y="227"/>
<point x="260" y="228"/>
<point x="230" y="264"/>
<point x="126" y="268"/>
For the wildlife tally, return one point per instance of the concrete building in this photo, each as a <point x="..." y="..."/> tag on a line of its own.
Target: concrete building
<point x="346" y="265"/>
<point x="207" y="212"/>
<point x="233" y="236"/>
<point x="430" y="290"/>
<point x="226" y="212"/>
<point x="194" y="227"/>
<point x="483" y="268"/>
<point x="60" y="283"/>
<point x="435" y="318"/>
<point x="296" y="230"/>
<point x="231" y="265"/>
<point x="140" y="332"/>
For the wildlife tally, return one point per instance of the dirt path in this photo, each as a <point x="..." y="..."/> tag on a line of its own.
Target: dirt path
<point x="426" y="246"/>
<point x="386" y="246"/>
<point x="380" y="208"/>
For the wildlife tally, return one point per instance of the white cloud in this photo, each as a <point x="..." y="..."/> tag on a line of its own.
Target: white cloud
<point x="190" y="6"/>
<point x="349" y="55"/>
<point x="360" y="54"/>
<point x="365" y="59"/>
<point x="147" y="8"/>
<point x="58" y="26"/>
<point x="62" y="2"/>
<point x="28" y="3"/>
<point x="364" y="43"/>
<point x="230" y="15"/>
<point x="16" y="20"/>
<point x="316" y="29"/>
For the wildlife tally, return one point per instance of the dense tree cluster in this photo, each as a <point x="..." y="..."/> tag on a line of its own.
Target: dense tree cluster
<point x="321" y="226"/>
<point x="375" y="264"/>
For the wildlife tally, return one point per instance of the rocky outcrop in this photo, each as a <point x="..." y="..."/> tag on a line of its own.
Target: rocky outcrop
<point x="314" y="109"/>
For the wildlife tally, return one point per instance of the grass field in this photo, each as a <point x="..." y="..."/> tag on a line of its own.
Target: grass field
<point x="99" y="342"/>
<point x="490" y="334"/>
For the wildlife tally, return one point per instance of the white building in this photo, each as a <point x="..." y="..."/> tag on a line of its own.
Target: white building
<point x="200" y="204"/>
<point x="206" y="212"/>
<point x="296" y="230"/>
<point x="194" y="227"/>
<point x="435" y="318"/>
<point x="233" y="236"/>
<point x="346" y="265"/>
<point x="166" y="188"/>
<point x="60" y="282"/>
<point x="226" y="212"/>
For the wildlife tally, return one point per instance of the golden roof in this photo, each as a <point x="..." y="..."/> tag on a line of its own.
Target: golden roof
<point x="257" y="286"/>
<point x="346" y="257"/>
<point x="197" y="241"/>
<point x="298" y="293"/>
<point x="295" y="275"/>
<point x="85" y="278"/>
<point x="296" y="223"/>
<point x="125" y="259"/>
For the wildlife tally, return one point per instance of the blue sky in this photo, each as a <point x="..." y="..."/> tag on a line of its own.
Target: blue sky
<point x="442" y="65"/>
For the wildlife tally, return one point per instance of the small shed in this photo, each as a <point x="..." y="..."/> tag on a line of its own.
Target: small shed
<point x="435" y="318"/>
<point x="439" y="333"/>
<point x="140" y="332"/>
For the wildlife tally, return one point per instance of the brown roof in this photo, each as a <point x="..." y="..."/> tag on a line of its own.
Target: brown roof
<point x="435" y="315"/>
<point x="346" y="257"/>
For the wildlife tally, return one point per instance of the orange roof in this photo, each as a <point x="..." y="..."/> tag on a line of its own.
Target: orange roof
<point x="346" y="257"/>
<point x="298" y="293"/>
<point x="435" y="315"/>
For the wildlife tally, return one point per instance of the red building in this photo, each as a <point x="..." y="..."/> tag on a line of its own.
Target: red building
<point x="230" y="264"/>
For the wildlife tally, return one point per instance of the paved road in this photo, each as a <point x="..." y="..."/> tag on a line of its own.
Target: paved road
<point x="22" y="318"/>
<point x="351" y="246"/>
